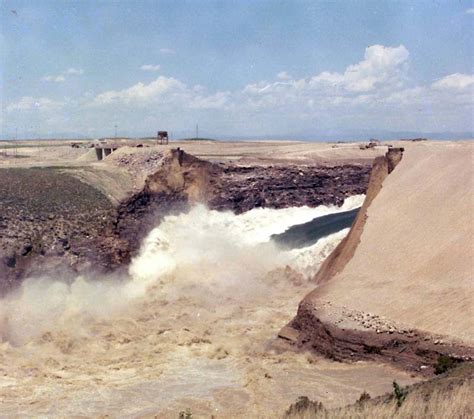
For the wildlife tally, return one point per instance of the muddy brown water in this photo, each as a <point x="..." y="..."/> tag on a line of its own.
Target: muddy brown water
<point x="188" y="342"/>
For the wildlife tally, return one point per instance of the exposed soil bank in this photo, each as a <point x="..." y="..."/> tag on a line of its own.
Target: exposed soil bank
<point x="240" y="189"/>
<point x="379" y="296"/>
<point x="411" y="350"/>
<point x="49" y="216"/>
<point x="50" y="220"/>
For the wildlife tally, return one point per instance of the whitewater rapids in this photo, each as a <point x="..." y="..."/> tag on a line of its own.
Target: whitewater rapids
<point x="189" y="327"/>
<point x="218" y="252"/>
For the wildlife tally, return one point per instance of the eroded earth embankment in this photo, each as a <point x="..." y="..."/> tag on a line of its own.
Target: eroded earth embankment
<point x="185" y="180"/>
<point x="57" y="219"/>
<point x="398" y="288"/>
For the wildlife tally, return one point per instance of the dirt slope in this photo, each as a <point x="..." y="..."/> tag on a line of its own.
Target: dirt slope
<point x="414" y="262"/>
<point x="337" y="260"/>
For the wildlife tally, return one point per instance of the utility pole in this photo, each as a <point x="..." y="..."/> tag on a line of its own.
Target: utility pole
<point x="115" y="126"/>
<point x="197" y="131"/>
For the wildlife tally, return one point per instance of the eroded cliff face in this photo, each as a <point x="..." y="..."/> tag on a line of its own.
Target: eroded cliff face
<point x="184" y="180"/>
<point x="315" y="329"/>
<point x="181" y="181"/>
<point x="242" y="188"/>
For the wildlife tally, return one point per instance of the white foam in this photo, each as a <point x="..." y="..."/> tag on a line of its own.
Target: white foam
<point x="219" y="250"/>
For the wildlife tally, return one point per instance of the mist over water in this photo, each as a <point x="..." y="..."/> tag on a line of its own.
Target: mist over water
<point x="204" y="255"/>
<point x="191" y="325"/>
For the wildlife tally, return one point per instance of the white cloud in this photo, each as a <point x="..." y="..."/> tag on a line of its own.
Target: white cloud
<point x="75" y="71"/>
<point x="167" y="51"/>
<point x="57" y="79"/>
<point x="454" y="81"/>
<point x="367" y="87"/>
<point x="264" y="87"/>
<point x="141" y="92"/>
<point x="405" y="97"/>
<point x="168" y="91"/>
<point x="283" y="75"/>
<point x="381" y="65"/>
<point x="218" y="100"/>
<point x="470" y="11"/>
<point x="62" y="77"/>
<point x="150" y="67"/>
<point x="28" y="103"/>
<point x="375" y="92"/>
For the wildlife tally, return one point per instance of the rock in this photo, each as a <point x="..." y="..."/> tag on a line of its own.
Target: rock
<point x="286" y="186"/>
<point x="27" y="248"/>
<point x="65" y="244"/>
<point x="10" y="260"/>
<point x="288" y="333"/>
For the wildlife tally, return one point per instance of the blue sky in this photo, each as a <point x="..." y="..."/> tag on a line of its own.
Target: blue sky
<point x="238" y="68"/>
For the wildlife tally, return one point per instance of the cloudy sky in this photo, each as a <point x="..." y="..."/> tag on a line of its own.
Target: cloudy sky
<point x="238" y="68"/>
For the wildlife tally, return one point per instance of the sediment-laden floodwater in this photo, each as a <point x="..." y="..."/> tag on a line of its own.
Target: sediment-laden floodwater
<point x="191" y="326"/>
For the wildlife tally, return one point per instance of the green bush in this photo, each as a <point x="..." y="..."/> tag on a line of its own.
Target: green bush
<point x="444" y="364"/>
<point x="399" y="393"/>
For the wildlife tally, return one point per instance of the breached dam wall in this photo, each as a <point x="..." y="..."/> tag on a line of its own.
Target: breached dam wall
<point x="408" y="257"/>
<point x="381" y="167"/>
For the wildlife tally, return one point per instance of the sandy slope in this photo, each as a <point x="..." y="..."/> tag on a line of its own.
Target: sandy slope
<point x="414" y="263"/>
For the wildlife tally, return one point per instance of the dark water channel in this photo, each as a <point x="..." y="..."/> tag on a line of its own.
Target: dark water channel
<point x="306" y="234"/>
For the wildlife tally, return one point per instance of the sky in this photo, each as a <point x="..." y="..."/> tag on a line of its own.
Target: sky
<point x="241" y="68"/>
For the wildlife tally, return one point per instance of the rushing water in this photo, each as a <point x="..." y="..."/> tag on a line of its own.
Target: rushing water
<point x="306" y="234"/>
<point x="190" y="326"/>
